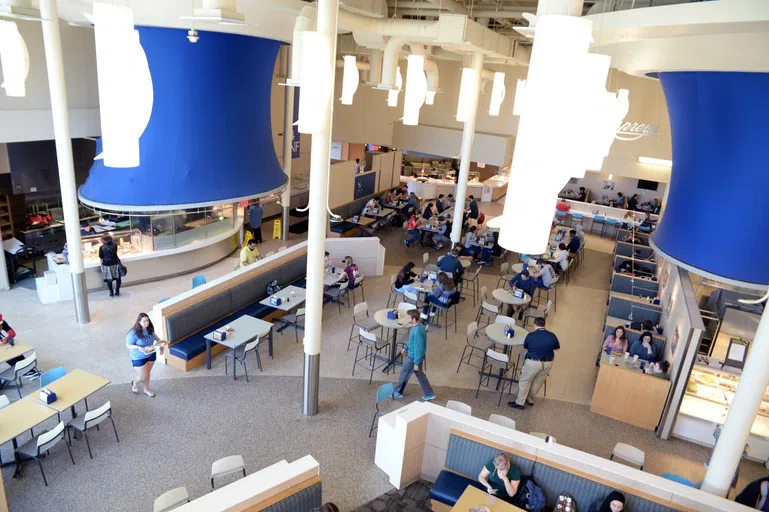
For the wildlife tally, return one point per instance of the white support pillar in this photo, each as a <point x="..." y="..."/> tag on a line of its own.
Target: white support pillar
<point x="468" y="134"/>
<point x="320" y="163"/>
<point x="288" y="138"/>
<point x="60" y="111"/>
<point x="742" y="414"/>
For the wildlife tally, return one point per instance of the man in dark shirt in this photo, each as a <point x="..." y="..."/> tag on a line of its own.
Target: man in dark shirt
<point x="582" y="195"/>
<point x="473" y="208"/>
<point x="573" y="245"/>
<point x="541" y="345"/>
<point x="523" y="282"/>
<point x="451" y="263"/>
<point x="439" y="204"/>
<point x="632" y="203"/>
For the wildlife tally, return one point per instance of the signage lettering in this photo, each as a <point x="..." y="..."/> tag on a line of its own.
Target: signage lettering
<point x="634" y="131"/>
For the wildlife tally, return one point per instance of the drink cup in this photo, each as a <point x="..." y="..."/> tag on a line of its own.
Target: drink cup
<point x="611" y="360"/>
<point x="627" y="354"/>
<point x="635" y="358"/>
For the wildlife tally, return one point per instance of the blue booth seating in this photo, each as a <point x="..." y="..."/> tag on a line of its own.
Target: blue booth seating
<point x="466" y="457"/>
<point x="658" y="342"/>
<point x="621" y="308"/>
<point x="343" y="227"/>
<point x="623" y="283"/>
<point x="308" y="498"/>
<point x="186" y="328"/>
<point x="628" y="249"/>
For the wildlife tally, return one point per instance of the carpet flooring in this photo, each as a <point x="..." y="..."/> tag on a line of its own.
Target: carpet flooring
<point x="414" y="498"/>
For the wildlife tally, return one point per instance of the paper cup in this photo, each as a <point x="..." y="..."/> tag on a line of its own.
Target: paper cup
<point x="635" y="358"/>
<point x="627" y="354"/>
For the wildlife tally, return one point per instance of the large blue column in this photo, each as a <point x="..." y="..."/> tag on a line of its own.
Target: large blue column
<point x="716" y="214"/>
<point x="209" y="139"/>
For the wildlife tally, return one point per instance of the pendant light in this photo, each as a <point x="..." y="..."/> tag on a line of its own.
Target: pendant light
<point x="416" y="89"/>
<point x="14" y="59"/>
<point x="350" y="79"/>
<point x="392" y="95"/>
<point x="497" y="94"/>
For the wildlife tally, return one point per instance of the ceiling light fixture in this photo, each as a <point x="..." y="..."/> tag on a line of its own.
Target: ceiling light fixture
<point x="392" y="94"/>
<point x="497" y="94"/>
<point x="14" y="59"/>
<point x="655" y="161"/>
<point x="125" y="84"/>
<point x="466" y="93"/>
<point x="350" y="79"/>
<point x="416" y="89"/>
<point x="317" y="83"/>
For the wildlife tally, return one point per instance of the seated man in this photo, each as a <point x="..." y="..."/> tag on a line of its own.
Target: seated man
<point x="574" y="244"/>
<point x="413" y="230"/>
<point x="371" y="205"/>
<point x="7" y="334"/>
<point x="562" y="206"/>
<point x="647" y="224"/>
<point x="428" y="213"/>
<point x="525" y="283"/>
<point x="544" y="277"/>
<point x="450" y="263"/>
<point x="441" y="236"/>
<point x="249" y="254"/>
<point x="470" y="240"/>
<point x="439" y="203"/>
<point x="500" y="477"/>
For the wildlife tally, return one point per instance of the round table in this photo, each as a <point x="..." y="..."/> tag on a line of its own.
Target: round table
<point x="507" y="297"/>
<point x="496" y="333"/>
<point x="517" y="268"/>
<point x="403" y="322"/>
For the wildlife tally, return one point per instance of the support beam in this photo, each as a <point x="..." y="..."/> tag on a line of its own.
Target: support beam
<point x="468" y="133"/>
<point x="328" y="12"/>
<point x="60" y="111"/>
<point x="288" y="139"/>
<point x="742" y="412"/>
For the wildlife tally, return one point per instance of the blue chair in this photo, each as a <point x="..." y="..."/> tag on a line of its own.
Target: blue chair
<point x="562" y="217"/>
<point x="198" y="281"/>
<point x="681" y="480"/>
<point x="576" y="218"/>
<point x="598" y="219"/>
<point x="52" y="375"/>
<point x="613" y="223"/>
<point x="384" y="392"/>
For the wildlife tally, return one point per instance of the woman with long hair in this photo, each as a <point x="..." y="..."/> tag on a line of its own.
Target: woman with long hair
<point x="110" y="264"/>
<point x="142" y="342"/>
<point x="616" y="341"/>
<point x="405" y="277"/>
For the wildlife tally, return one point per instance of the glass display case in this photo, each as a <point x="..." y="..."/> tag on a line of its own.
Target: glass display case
<point x="718" y="387"/>
<point x="128" y="241"/>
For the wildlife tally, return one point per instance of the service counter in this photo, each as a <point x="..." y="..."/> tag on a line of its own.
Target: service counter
<point x="625" y="393"/>
<point x="590" y="210"/>
<point x="429" y="188"/>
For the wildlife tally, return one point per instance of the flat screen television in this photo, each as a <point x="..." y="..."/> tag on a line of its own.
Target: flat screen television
<point x="648" y="185"/>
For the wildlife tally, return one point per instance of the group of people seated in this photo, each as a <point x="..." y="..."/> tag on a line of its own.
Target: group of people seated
<point x="643" y="347"/>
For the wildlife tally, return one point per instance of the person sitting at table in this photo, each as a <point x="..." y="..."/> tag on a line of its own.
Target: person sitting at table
<point x="473" y="206"/>
<point x="327" y="263"/>
<point x="575" y="243"/>
<point x="627" y="220"/>
<point x="413" y="200"/>
<point x="450" y="263"/>
<point x="545" y="275"/>
<point x="443" y="294"/>
<point x="371" y="205"/>
<point x="656" y="206"/>
<point x="249" y="254"/>
<point x="85" y="228"/>
<point x="646" y="325"/>
<point x="487" y="249"/>
<point x="450" y="201"/>
<point x="404" y="279"/>
<point x="614" y="502"/>
<point x="429" y="212"/>
<point x="621" y="201"/>
<point x="562" y="256"/>
<point x="581" y="235"/>
<point x="470" y="240"/>
<point x="412" y="229"/>
<point x="441" y="236"/>
<point x="439" y="203"/>
<point x="582" y="194"/>
<point x="500" y="477"/>
<point x="7" y="335"/>
<point x="350" y="271"/>
<point x="612" y="203"/>
<point x="643" y="348"/>
<point x="524" y="282"/>
<point x="632" y="203"/>
<point x="646" y="224"/>
<point x="616" y="342"/>
<point x="562" y="206"/>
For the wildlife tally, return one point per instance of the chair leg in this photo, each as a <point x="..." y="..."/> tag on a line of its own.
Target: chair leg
<point x="244" y="472"/>
<point x="355" y="362"/>
<point x="463" y="356"/>
<point x="349" y="341"/>
<point x="114" y="429"/>
<point x="371" y="430"/>
<point x="212" y="483"/>
<point x="480" y="377"/>
<point x="88" y="444"/>
<point x="19" y="391"/>
<point x="245" y="366"/>
<point x="41" y="471"/>
<point x="259" y="359"/>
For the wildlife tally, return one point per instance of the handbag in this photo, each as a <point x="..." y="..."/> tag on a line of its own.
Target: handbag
<point x="121" y="269"/>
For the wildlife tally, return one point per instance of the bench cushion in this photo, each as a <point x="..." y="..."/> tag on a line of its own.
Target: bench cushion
<point x="254" y="289"/>
<point x="448" y="487"/>
<point x="343" y="227"/>
<point x="292" y="270"/>
<point x="180" y="324"/>
<point x="467" y="457"/>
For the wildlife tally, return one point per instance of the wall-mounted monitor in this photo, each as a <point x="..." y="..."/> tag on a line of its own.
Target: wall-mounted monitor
<point x="648" y="185"/>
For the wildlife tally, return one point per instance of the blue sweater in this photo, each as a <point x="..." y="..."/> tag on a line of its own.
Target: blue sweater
<point x="637" y="349"/>
<point x="417" y="345"/>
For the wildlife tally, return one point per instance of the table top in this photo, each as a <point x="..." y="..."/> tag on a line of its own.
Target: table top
<point x="70" y="389"/>
<point x="474" y="497"/>
<point x="9" y="352"/>
<point x="506" y="297"/>
<point x="496" y="333"/>
<point x="247" y="328"/>
<point x="331" y="279"/>
<point x="403" y="322"/>
<point x="297" y="300"/>
<point x="362" y="221"/>
<point x="20" y="416"/>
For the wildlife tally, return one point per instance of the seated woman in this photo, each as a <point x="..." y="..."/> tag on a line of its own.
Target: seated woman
<point x="470" y="240"/>
<point x="643" y="348"/>
<point x="413" y="229"/>
<point x="616" y="342"/>
<point x="647" y="224"/>
<point x="350" y="271"/>
<point x="404" y="279"/>
<point x="500" y="477"/>
<point x="627" y="220"/>
<point x="429" y="211"/>
<point x="443" y="294"/>
<point x="614" y="502"/>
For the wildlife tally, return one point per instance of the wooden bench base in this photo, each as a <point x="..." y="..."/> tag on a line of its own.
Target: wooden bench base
<point x="437" y="506"/>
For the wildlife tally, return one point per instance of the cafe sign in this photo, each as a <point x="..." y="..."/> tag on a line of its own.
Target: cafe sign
<point x="634" y="131"/>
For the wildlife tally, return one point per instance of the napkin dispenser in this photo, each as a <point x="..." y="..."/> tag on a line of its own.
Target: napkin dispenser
<point x="275" y="301"/>
<point x="517" y="293"/>
<point x="47" y="396"/>
<point x="392" y="315"/>
<point x="558" y="238"/>
<point x="355" y="218"/>
<point x="509" y="331"/>
<point x="220" y="335"/>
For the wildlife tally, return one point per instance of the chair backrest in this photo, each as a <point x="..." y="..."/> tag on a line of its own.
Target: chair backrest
<point x="409" y="295"/>
<point x="484" y="293"/>
<point x="358" y="280"/>
<point x="472" y="328"/>
<point x="52" y="375"/>
<point x="393" y="278"/>
<point x="282" y="248"/>
<point x="47" y="439"/>
<point x="23" y="365"/>
<point x="459" y="407"/>
<point x="198" y="280"/>
<point x="488" y="306"/>
<point x="96" y="416"/>
<point x="251" y="345"/>
<point x="547" y="308"/>
<point x="171" y="500"/>
<point x="368" y="336"/>
<point x="405" y="306"/>
<point x="504" y="269"/>
<point x="498" y="419"/>
<point x="300" y="312"/>
<point x="425" y="258"/>
<point x="542" y="436"/>
<point x="502" y="319"/>
<point x="475" y="274"/>
<point x="4" y="401"/>
<point x="361" y="307"/>
<point x="384" y="392"/>
<point x="343" y="285"/>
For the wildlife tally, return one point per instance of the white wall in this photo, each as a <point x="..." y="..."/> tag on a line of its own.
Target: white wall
<point x="341" y="187"/>
<point x="299" y="166"/>
<point x="593" y="181"/>
<point x="29" y="118"/>
<point x="446" y="142"/>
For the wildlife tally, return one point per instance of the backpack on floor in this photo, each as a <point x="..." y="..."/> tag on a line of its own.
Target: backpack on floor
<point x="530" y="496"/>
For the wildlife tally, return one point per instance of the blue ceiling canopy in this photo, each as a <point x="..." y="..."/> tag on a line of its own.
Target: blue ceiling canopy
<point x="209" y="139"/>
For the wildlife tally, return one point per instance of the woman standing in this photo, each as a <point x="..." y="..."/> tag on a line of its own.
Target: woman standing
<point x="110" y="264"/>
<point x="142" y="342"/>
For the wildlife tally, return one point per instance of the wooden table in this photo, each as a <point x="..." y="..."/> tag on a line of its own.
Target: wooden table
<point x="628" y="394"/>
<point x="402" y="322"/>
<point x="474" y="497"/>
<point x="75" y="386"/>
<point x="8" y="352"/>
<point x="18" y="417"/>
<point x="362" y="221"/>
<point x="246" y="329"/>
<point x="507" y="297"/>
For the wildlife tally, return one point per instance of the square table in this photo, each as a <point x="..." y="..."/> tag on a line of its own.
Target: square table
<point x="75" y="386"/>
<point x="362" y="221"/>
<point x="246" y="329"/>
<point x="8" y="352"/>
<point x="474" y="497"/>
<point x="18" y="417"/>
<point x="297" y="300"/>
<point x="330" y="279"/>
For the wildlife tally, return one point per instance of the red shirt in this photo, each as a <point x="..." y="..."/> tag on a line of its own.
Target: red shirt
<point x="562" y="207"/>
<point x="412" y="222"/>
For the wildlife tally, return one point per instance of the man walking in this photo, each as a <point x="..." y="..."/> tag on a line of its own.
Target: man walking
<point x="255" y="219"/>
<point x="541" y="345"/>
<point x="413" y="358"/>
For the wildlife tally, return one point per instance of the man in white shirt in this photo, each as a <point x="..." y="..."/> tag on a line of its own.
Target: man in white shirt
<point x="371" y="205"/>
<point x="562" y="257"/>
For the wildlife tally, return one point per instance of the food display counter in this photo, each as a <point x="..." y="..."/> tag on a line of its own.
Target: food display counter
<point x="709" y="393"/>
<point x="429" y="188"/>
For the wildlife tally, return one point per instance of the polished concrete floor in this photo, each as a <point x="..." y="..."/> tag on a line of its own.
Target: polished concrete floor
<point x="99" y="347"/>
